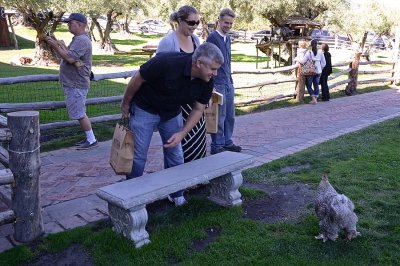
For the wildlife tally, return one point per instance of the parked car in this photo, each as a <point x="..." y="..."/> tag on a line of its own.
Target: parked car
<point x="319" y="34"/>
<point x="154" y="26"/>
<point x="261" y="34"/>
<point x="233" y="34"/>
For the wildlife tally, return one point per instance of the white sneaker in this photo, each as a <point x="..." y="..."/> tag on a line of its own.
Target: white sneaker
<point x="179" y="201"/>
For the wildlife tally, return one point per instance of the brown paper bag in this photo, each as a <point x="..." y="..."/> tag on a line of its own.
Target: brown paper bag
<point x="211" y="115"/>
<point x="121" y="157"/>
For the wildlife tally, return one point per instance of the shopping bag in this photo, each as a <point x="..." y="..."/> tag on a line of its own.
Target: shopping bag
<point x="308" y="68"/>
<point x="121" y="157"/>
<point x="211" y="113"/>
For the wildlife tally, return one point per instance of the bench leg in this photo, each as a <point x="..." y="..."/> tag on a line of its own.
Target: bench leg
<point x="131" y="223"/>
<point x="224" y="190"/>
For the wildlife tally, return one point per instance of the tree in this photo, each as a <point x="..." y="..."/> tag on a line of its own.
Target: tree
<point x="112" y="9"/>
<point x="44" y="16"/>
<point x="277" y="11"/>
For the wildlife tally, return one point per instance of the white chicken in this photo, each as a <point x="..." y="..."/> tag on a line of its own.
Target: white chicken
<point x="335" y="212"/>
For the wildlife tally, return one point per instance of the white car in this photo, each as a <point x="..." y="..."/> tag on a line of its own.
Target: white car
<point x="153" y="26"/>
<point x="261" y="34"/>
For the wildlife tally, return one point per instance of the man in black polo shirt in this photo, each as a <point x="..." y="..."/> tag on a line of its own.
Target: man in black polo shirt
<point x="154" y="96"/>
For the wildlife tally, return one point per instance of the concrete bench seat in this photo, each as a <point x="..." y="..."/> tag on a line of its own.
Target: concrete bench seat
<point x="127" y="200"/>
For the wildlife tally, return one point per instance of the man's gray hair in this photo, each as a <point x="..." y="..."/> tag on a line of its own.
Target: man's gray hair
<point x="208" y="52"/>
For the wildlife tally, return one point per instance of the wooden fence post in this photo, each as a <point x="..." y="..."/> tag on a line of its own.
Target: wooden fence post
<point x="351" y="87"/>
<point x="24" y="162"/>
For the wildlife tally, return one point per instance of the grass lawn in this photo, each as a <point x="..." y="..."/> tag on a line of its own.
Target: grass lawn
<point x="364" y="165"/>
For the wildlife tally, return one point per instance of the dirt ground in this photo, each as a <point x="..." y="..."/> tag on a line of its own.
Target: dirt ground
<point x="281" y="203"/>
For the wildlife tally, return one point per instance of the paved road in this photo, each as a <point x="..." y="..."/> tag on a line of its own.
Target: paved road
<point x="69" y="178"/>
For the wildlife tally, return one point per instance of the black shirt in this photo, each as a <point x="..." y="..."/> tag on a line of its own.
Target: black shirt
<point x="168" y="85"/>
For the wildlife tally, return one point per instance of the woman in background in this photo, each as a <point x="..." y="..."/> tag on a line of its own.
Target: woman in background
<point x="184" y="40"/>
<point x="319" y="62"/>
<point x="325" y="73"/>
<point x="301" y="80"/>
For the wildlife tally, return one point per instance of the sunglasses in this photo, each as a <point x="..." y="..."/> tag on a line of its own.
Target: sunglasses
<point x="191" y="22"/>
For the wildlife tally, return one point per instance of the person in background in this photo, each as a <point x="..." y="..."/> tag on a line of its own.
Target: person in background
<point x="326" y="71"/>
<point x="183" y="40"/>
<point x="301" y="80"/>
<point x="75" y="70"/>
<point x="154" y="96"/>
<point x="319" y="62"/>
<point x="222" y="140"/>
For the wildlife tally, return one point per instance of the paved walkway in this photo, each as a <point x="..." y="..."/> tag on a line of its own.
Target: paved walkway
<point x="69" y="178"/>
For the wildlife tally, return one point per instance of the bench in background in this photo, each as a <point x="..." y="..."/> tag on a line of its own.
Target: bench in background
<point x="127" y="200"/>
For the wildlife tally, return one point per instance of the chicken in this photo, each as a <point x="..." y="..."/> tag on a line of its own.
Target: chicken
<point x="335" y="212"/>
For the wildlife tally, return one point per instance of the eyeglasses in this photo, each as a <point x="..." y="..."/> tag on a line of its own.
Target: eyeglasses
<point x="191" y="22"/>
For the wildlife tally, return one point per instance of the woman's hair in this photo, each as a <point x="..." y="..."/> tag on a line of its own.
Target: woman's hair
<point x="325" y="47"/>
<point x="314" y="48"/>
<point x="303" y="44"/>
<point x="183" y="13"/>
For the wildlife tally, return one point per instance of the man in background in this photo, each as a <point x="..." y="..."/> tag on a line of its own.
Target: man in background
<point x="222" y="140"/>
<point x="75" y="69"/>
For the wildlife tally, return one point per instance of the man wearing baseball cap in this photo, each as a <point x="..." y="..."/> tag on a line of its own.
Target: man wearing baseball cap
<point x="76" y="16"/>
<point x="75" y="69"/>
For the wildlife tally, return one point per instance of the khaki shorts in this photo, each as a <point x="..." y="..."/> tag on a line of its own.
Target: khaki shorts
<point x="75" y="100"/>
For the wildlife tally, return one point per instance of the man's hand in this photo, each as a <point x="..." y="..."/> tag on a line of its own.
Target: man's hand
<point x="51" y="41"/>
<point x="174" y="140"/>
<point x="125" y="109"/>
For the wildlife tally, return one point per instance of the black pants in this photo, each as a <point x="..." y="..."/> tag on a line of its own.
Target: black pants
<point x="324" y="87"/>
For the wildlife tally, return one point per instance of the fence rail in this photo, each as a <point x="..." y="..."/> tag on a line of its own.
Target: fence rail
<point x="256" y="87"/>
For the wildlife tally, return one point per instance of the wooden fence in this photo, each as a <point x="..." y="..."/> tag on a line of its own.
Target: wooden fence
<point x="352" y="72"/>
<point x="22" y="141"/>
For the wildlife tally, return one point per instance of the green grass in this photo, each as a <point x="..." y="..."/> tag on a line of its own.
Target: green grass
<point x="364" y="165"/>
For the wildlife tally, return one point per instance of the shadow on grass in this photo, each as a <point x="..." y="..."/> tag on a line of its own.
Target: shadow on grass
<point x="24" y="43"/>
<point x="119" y="60"/>
<point x="248" y="58"/>
<point x="150" y="36"/>
<point x="6" y="70"/>
<point x="128" y="42"/>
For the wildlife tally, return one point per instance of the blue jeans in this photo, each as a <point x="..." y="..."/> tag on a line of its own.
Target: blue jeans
<point x="143" y="124"/>
<point x="310" y="81"/>
<point x="226" y="117"/>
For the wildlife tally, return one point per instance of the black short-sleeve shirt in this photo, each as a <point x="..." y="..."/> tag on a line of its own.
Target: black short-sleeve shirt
<point x="168" y="85"/>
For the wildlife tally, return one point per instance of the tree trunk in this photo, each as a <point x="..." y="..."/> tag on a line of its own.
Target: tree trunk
<point x="91" y="34"/>
<point x="205" y="31"/>
<point x="4" y="33"/>
<point x="351" y="87"/>
<point x="106" y="43"/>
<point x="25" y="165"/>
<point x="300" y="86"/>
<point x="44" y="55"/>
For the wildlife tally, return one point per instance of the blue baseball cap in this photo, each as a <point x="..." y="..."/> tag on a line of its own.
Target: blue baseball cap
<point x="76" y="16"/>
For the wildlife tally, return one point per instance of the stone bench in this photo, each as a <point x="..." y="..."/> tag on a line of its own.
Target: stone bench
<point x="127" y="200"/>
